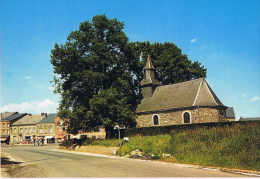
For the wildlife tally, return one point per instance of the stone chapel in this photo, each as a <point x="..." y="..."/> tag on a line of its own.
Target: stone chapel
<point x="181" y="103"/>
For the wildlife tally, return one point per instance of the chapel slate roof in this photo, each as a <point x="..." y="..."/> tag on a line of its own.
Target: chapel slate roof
<point x="49" y="119"/>
<point x="180" y="95"/>
<point x="29" y="120"/>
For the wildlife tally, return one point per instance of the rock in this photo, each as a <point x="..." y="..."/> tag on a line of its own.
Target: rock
<point x="166" y="155"/>
<point x="136" y="152"/>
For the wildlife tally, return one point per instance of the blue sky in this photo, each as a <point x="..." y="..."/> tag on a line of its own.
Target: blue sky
<point x="223" y="35"/>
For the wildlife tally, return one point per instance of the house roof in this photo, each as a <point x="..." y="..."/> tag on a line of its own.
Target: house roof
<point x="186" y="94"/>
<point x="7" y="114"/>
<point x="14" y="116"/>
<point x="230" y="112"/>
<point x="49" y="119"/>
<point x="29" y="120"/>
<point x="249" y="119"/>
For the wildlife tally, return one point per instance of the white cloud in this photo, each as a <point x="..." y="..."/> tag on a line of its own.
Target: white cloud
<point x="27" y="77"/>
<point x="193" y="40"/>
<point x="35" y="107"/>
<point x="255" y="98"/>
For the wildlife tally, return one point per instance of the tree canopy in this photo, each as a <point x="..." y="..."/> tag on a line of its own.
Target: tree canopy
<point x="97" y="73"/>
<point x="171" y="65"/>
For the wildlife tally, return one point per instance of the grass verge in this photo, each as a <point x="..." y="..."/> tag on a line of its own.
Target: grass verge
<point x="230" y="147"/>
<point x="236" y="146"/>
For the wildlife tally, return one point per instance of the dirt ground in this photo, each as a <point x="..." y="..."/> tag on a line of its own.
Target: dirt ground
<point x="14" y="169"/>
<point x="95" y="149"/>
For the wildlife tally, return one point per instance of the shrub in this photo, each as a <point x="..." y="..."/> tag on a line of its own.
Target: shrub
<point x="73" y="142"/>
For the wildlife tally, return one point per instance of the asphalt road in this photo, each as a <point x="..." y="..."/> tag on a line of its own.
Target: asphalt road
<point x="71" y="165"/>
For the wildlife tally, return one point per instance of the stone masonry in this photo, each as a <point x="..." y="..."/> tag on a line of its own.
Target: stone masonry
<point x="198" y="115"/>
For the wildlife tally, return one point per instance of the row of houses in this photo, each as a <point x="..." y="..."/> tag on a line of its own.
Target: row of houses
<point x="23" y="128"/>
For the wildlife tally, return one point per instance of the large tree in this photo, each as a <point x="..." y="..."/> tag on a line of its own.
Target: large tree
<point x="97" y="72"/>
<point x="93" y="60"/>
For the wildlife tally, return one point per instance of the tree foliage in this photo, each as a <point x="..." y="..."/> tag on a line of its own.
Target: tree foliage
<point x="171" y="65"/>
<point x="97" y="72"/>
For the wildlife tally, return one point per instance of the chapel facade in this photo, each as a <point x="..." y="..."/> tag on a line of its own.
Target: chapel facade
<point x="181" y="103"/>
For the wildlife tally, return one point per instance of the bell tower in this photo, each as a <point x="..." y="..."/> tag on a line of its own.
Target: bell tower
<point x="149" y="83"/>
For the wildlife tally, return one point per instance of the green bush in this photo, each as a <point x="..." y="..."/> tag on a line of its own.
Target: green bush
<point x="73" y="142"/>
<point x="67" y="143"/>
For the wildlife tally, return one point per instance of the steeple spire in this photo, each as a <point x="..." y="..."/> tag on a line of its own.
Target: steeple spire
<point x="149" y="83"/>
<point x="149" y="63"/>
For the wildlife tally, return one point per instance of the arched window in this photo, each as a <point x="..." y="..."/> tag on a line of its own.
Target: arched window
<point x="186" y="118"/>
<point x="155" y="120"/>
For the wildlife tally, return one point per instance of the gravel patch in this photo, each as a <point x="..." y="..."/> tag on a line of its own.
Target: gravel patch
<point x="14" y="169"/>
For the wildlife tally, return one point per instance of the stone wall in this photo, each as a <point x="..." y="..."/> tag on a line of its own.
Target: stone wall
<point x="198" y="115"/>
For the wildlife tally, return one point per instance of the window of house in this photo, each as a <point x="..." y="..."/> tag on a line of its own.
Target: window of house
<point x="51" y="130"/>
<point x="14" y="130"/>
<point x="186" y="117"/>
<point x="7" y="131"/>
<point x="41" y="130"/>
<point x="15" y="138"/>
<point x="34" y="129"/>
<point x="3" y="125"/>
<point x="155" y="120"/>
<point x="21" y="130"/>
<point x="60" y="129"/>
<point x="8" y="125"/>
<point x="3" y="131"/>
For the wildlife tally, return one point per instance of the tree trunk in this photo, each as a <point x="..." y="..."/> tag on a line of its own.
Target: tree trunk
<point x="110" y="132"/>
